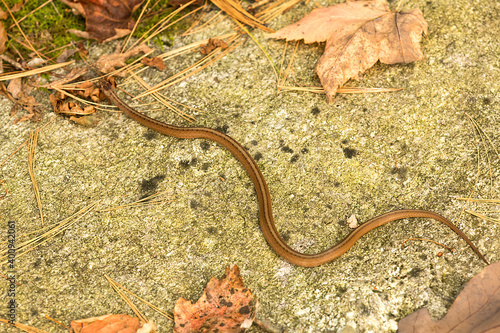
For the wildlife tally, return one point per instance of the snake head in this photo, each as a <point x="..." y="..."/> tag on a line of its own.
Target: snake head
<point x="105" y="85"/>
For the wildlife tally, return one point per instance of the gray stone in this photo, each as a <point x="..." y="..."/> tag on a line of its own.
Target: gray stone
<point x="364" y="154"/>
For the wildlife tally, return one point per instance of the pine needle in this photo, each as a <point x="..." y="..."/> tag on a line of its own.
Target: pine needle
<point x="486" y="201"/>
<point x="283" y="80"/>
<point x="15" y="151"/>
<point x="484" y="137"/>
<point x="209" y="59"/>
<point x="57" y="322"/>
<point x="26" y="141"/>
<point x="48" y="233"/>
<point x="177" y="52"/>
<point x="155" y="308"/>
<point x="426" y="240"/>
<point x="23" y="327"/>
<point x="234" y="10"/>
<point x="482" y="216"/>
<point x="31" y="47"/>
<point x="34" y="10"/>
<point x="162" y="24"/>
<point x="84" y="101"/>
<point x="194" y="29"/>
<point x="344" y="90"/>
<point x="134" y="308"/>
<point x="135" y="26"/>
<point x="479" y="135"/>
<point x="31" y="164"/>
<point x="275" y="10"/>
<point x="36" y="71"/>
<point x="275" y="69"/>
<point x="160" y="98"/>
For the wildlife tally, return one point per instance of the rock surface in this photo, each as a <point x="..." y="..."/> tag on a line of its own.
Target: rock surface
<point x="364" y="154"/>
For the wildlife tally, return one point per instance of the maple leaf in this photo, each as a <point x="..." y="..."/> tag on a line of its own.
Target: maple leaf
<point x="357" y="35"/>
<point x="476" y="309"/>
<point x="225" y="306"/>
<point x="105" y="19"/>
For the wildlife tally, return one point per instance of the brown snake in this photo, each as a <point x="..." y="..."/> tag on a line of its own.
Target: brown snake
<point x="265" y="210"/>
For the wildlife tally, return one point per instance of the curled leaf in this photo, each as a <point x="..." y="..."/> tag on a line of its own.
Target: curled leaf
<point x="357" y="35"/>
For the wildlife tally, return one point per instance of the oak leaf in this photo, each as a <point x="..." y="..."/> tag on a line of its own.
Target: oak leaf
<point x="105" y="19"/>
<point x="225" y="306"/>
<point x="357" y="35"/>
<point x="476" y="309"/>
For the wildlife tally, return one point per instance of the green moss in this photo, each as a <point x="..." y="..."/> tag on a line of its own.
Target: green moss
<point x="155" y="15"/>
<point x="47" y="27"/>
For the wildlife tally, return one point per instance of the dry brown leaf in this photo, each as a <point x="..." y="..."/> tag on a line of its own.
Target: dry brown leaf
<point x="87" y="121"/>
<point x="66" y="54"/>
<point x="74" y="74"/>
<point x="54" y="101"/>
<point x="225" y="306"/>
<point x="30" y="105"/>
<point x="105" y="19"/>
<point x="357" y="35"/>
<point x="23" y="118"/>
<point x="155" y="62"/>
<point x="475" y="310"/>
<point x="106" y="324"/>
<point x="212" y="44"/>
<point x="71" y="108"/>
<point x="85" y="89"/>
<point x="96" y="95"/>
<point x="14" y="87"/>
<point x="82" y="51"/>
<point x="3" y="38"/>
<point x="17" y="7"/>
<point x="109" y="62"/>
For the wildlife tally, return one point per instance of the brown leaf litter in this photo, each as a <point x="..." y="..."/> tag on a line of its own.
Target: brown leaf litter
<point x="225" y="306"/>
<point x="357" y="35"/>
<point x="476" y="309"/>
<point x="105" y="20"/>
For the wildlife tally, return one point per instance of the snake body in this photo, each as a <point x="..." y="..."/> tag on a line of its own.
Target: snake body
<point x="264" y="199"/>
